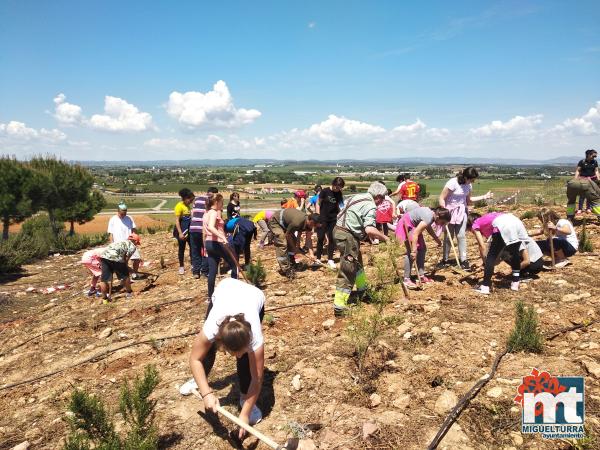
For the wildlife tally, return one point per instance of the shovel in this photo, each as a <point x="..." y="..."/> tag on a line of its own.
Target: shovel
<point x="459" y="270"/>
<point x="291" y="444"/>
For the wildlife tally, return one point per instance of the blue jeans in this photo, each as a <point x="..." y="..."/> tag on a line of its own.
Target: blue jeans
<point x="216" y="251"/>
<point x="199" y="262"/>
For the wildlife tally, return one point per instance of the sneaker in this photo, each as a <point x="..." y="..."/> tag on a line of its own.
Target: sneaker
<point x="442" y="264"/>
<point x="317" y="263"/>
<point x="91" y="292"/>
<point x="578" y="212"/>
<point x="375" y="241"/>
<point x="197" y="276"/>
<point x="339" y="311"/>
<point x="426" y="280"/>
<point x="181" y="270"/>
<point x="331" y="264"/>
<point x="255" y="414"/>
<point x="514" y="286"/>
<point x="464" y="265"/>
<point x="135" y="276"/>
<point x="410" y="284"/>
<point x="563" y="263"/>
<point x="526" y="278"/>
<point x="484" y="290"/>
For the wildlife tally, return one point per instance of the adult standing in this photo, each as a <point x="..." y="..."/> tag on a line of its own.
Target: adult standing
<point x="456" y="197"/>
<point x="199" y="261"/>
<point x="401" y="179"/>
<point x="328" y="207"/>
<point x="284" y="225"/>
<point x="120" y="227"/>
<point x="183" y="214"/>
<point x="233" y="207"/>
<point x="354" y="223"/>
<point x="586" y="188"/>
<point x="216" y="241"/>
<point x="587" y="168"/>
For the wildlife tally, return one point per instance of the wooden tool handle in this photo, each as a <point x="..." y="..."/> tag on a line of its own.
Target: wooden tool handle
<point x="253" y="431"/>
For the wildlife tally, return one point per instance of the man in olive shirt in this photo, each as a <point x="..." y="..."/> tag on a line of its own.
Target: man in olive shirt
<point x="354" y="223"/>
<point x="284" y="225"/>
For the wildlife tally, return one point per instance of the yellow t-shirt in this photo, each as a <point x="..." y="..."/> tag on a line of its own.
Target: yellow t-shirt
<point x="181" y="209"/>
<point x="262" y="215"/>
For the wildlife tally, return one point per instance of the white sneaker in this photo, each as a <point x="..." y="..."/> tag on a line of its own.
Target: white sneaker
<point x="514" y="285"/>
<point x="484" y="290"/>
<point x="331" y="264"/>
<point x="255" y="414"/>
<point x="375" y="241"/>
<point x="181" y="271"/>
<point x="563" y="263"/>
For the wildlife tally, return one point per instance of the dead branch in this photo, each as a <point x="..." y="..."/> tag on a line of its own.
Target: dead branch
<point x="94" y="358"/>
<point x="577" y="326"/>
<point x="463" y="403"/>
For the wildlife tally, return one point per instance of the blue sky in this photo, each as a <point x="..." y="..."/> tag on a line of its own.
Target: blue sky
<point x="141" y="80"/>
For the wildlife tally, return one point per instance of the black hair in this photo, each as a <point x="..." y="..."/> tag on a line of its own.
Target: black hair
<point x="589" y="152"/>
<point x="472" y="217"/>
<point x="381" y="182"/>
<point x="400" y="178"/>
<point x="212" y="190"/>
<point x="316" y="218"/>
<point x="389" y="191"/>
<point x="442" y="214"/>
<point x="185" y="193"/>
<point x="469" y="172"/>
<point x="318" y="188"/>
<point x="339" y="182"/>
<point x="234" y="194"/>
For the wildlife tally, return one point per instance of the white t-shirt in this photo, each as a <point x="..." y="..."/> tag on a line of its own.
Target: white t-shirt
<point x="533" y="249"/>
<point x="571" y="237"/>
<point x="120" y="228"/>
<point x="458" y="192"/>
<point x="233" y="297"/>
<point x="407" y="205"/>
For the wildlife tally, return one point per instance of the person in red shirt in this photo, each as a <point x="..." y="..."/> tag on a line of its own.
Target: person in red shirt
<point x="409" y="190"/>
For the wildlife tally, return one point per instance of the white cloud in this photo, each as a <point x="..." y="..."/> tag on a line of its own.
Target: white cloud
<point x="586" y="125"/>
<point x="121" y="116"/>
<point x="213" y="109"/>
<point x="517" y="126"/>
<point x="15" y="131"/>
<point x="67" y="114"/>
<point x="336" y="130"/>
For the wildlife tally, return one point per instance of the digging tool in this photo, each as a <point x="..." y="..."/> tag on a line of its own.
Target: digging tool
<point x="290" y="445"/>
<point x="457" y="269"/>
<point x="550" y="237"/>
<point x="237" y="264"/>
<point x="409" y="250"/>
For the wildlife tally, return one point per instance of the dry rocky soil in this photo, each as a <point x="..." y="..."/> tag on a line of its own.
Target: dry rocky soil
<point x="445" y="339"/>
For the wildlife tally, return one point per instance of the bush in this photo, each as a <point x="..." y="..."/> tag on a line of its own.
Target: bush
<point x="528" y="215"/>
<point x="92" y="425"/>
<point x="256" y="273"/>
<point x="525" y="336"/>
<point x="585" y="243"/>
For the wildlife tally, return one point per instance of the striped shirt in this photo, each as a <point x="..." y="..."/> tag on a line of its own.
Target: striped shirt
<point x="198" y="211"/>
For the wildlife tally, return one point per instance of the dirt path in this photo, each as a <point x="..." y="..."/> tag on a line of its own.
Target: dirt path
<point x="453" y="337"/>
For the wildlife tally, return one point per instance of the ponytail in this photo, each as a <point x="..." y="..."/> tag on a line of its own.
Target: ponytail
<point x="469" y="172"/>
<point x="234" y="334"/>
<point x="442" y="214"/>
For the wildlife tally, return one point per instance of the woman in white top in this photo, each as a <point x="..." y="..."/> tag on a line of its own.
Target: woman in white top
<point x="233" y="324"/>
<point x="456" y="197"/>
<point x="565" y="239"/>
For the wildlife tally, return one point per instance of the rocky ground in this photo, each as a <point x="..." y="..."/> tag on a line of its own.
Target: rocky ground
<point x="444" y="340"/>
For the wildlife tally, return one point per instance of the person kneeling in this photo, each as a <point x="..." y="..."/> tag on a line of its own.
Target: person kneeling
<point x="564" y="239"/>
<point x="532" y="259"/>
<point x="233" y="324"/>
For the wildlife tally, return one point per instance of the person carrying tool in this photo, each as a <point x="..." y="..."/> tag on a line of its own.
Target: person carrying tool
<point x="233" y="325"/>
<point x="564" y="240"/>
<point x="586" y="188"/>
<point x="410" y="230"/>
<point x="456" y="197"/>
<point x="284" y="225"/>
<point x="507" y="232"/>
<point x="355" y="222"/>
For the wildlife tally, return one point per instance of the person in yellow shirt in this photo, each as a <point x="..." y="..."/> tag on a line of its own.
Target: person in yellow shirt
<point x="260" y="219"/>
<point x="183" y="215"/>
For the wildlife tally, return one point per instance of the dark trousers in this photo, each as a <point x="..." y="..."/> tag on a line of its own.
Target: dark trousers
<point x="181" y="250"/>
<point x="199" y="262"/>
<point x="242" y="364"/>
<point x="216" y="251"/>
<point x="496" y="246"/>
<point x="383" y="227"/>
<point x="559" y="244"/>
<point x="325" y="230"/>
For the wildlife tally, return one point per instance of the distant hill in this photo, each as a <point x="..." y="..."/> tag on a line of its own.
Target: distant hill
<point x="559" y="161"/>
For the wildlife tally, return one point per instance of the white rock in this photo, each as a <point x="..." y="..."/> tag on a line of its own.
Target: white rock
<point x="105" y="333"/>
<point x="22" y="446"/>
<point x="368" y="429"/>
<point x="431" y="307"/>
<point x="306" y="444"/>
<point x="572" y="336"/>
<point x="296" y="382"/>
<point x="445" y="402"/>
<point x="279" y="293"/>
<point x="446" y="325"/>
<point x="404" y="327"/>
<point x="328" y="324"/>
<point x="436" y="330"/>
<point x="593" y="346"/>
<point x="375" y="400"/>
<point x="402" y="402"/>
<point x="517" y="438"/>
<point x="494" y="392"/>
<point x="407" y="335"/>
<point x="418" y="358"/>
<point x="592" y="367"/>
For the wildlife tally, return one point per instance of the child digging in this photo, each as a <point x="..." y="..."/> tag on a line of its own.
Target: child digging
<point x="507" y="233"/>
<point x="416" y="222"/>
<point x="91" y="260"/>
<point x="564" y="237"/>
<point x="114" y="261"/>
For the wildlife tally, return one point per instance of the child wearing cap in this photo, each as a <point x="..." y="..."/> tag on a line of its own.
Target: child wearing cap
<point x="114" y="261"/>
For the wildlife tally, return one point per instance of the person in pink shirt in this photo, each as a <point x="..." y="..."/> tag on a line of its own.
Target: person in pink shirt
<point x="91" y="261"/>
<point x="507" y="233"/>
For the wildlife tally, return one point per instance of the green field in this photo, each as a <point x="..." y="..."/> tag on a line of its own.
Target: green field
<point x="132" y="203"/>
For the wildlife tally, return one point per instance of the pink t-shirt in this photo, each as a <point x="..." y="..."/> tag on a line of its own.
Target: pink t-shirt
<point x="484" y="224"/>
<point x="219" y="225"/>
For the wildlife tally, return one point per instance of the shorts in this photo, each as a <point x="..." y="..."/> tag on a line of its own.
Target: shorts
<point x="113" y="267"/>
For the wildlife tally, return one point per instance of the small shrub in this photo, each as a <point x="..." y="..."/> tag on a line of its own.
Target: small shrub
<point x="528" y="215"/>
<point x="92" y="425"/>
<point x="256" y="273"/>
<point x="269" y="319"/>
<point x="525" y="337"/>
<point x="539" y="200"/>
<point x="585" y="243"/>
<point x="386" y="262"/>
